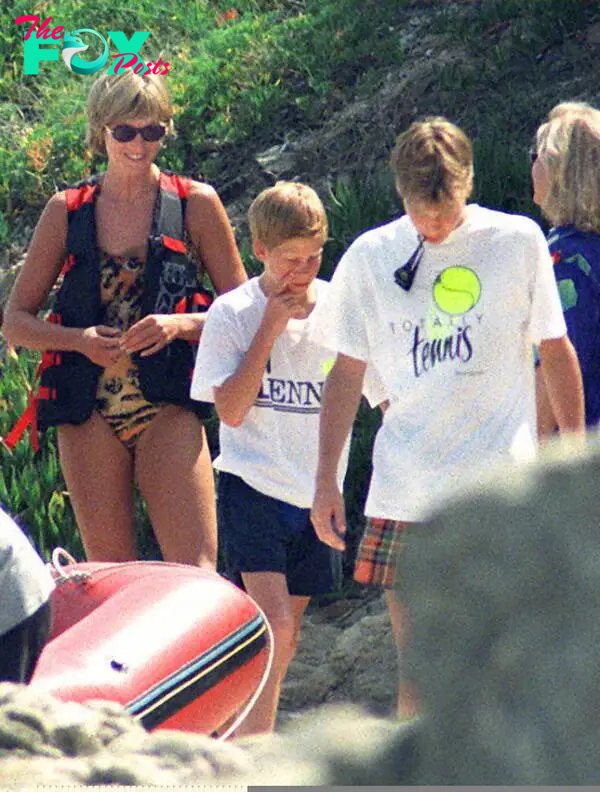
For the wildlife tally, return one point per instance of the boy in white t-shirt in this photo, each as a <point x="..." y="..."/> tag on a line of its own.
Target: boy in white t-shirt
<point x="257" y="362"/>
<point x="445" y="303"/>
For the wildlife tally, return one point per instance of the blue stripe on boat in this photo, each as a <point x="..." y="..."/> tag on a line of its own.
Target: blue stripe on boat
<point x="193" y="679"/>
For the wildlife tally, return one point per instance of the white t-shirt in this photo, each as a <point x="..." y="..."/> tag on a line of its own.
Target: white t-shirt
<point x="275" y="449"/>
<point x="25" y="583"/>
<point x="454" y="353"/>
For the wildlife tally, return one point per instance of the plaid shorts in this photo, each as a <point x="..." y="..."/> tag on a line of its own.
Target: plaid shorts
<point x="376" y="556"/>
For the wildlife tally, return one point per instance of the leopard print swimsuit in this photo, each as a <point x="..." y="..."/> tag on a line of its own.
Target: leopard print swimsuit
<point x="119" y="398"/>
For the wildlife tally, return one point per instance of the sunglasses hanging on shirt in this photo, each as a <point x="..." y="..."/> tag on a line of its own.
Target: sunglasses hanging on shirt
<point x="404" y="276"/>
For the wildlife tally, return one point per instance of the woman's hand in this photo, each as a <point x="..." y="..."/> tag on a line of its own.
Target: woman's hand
<point x="101" y="344"/>
<point x="151" y="334"/>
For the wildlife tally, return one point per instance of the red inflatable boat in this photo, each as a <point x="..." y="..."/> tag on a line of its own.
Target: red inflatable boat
<point x="179" y="647"/>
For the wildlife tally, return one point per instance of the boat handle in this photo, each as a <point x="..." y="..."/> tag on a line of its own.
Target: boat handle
<point x="60" y="555"/>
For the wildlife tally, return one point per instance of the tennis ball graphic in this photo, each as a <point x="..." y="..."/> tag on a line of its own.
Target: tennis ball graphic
<point x="456" y="290"/>
<point x="327" y="365"/>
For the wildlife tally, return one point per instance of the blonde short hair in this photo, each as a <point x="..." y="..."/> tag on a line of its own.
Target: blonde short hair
<point x="569" y="148"/>
<point x="433" y="162"/>
<point x="115" y="98"/>
<point x="285" y="211"/>
<point x="566" y="108"/>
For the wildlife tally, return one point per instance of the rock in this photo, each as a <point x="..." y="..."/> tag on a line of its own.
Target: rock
<point x="346" y="654"/>
<point x="503" y="589"/>
<point x="307" y="689"/>
<point x="592" y="34"/>
<point x="336" y="745"/>
<point x="46" y="741"/>
<point x="279" y="162"/>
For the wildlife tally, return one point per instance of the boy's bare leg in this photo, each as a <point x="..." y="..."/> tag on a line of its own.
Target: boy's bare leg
<point x="408" y="704"/>
<point x="284" y="614"/>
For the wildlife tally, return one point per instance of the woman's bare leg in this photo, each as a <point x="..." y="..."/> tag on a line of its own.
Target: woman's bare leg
<point x="98" y="471"/>
<point x="174" y="473"/>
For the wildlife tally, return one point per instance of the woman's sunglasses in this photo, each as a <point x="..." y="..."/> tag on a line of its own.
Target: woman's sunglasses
<point x="533" y="155"/>
<point x="124" y="133"/>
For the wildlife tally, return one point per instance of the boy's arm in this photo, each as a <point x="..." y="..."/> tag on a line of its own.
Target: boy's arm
<point x="564" y="386"/>
<point x="341" y="396"/>
<point x="235" y="397"/>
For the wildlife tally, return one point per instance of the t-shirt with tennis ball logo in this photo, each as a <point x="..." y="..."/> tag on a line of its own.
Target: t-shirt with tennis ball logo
<point x="275" y="448"/>
<point x="454" y="353"/>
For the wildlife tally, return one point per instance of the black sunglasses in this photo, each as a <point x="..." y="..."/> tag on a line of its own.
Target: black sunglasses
<point x="533" y="155"/>
<point x="124" y="133"/>
<point x="404" y="276"/>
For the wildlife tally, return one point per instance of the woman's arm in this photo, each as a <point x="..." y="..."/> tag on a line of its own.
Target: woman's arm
<point x="212" y="238"/>
<point x="43" y="262"/>
<point x="41" y="267"/>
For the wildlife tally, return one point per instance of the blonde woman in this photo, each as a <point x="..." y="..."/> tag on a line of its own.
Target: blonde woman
<point x="130" y="247"/>
<point x="444" y="304"/>
<point x="566" y="182"/>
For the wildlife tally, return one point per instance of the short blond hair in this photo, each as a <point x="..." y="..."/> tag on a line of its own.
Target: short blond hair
<point x="285" y="211"/>
<point x="566" y="108"/>
<point x="433" y="162"/>
<point x="115" y="98"/>
<point x="569" y="148"/>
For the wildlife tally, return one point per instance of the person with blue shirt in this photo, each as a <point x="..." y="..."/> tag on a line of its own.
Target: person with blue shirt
<point x="566" y="183"/>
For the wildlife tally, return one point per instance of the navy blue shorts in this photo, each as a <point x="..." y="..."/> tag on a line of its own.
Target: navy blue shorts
<point x="262" y="534"/>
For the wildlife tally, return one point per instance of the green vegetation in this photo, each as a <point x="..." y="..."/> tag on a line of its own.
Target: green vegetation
<point x="32" y="488"/>
<point x="246" y="74"/>
<point x="236" y="73"/>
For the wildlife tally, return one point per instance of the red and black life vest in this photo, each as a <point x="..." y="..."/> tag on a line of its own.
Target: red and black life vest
<point x="69" y="380"/>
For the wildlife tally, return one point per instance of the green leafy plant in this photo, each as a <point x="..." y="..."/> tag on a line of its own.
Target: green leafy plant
<point x="32" y="489"/>
<point x="354" y="205"/>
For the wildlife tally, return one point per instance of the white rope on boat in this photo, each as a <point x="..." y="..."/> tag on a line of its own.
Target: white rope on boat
<point x="60" y="555"/>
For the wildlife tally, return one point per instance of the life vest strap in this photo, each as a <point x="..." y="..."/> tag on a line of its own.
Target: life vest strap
<point x="28" y="418"/>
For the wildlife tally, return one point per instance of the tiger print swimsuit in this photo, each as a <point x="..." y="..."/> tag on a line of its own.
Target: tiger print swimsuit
<point x="119" y="398"/>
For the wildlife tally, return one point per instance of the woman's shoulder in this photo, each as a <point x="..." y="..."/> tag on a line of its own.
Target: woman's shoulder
<point x="187" y="186"/>
<point x="56" y="209"/>
<point x="203" y="194"/>
<point x="203" y="201"/>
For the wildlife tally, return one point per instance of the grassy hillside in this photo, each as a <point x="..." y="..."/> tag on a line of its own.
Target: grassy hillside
<point x="251" y="74"/>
